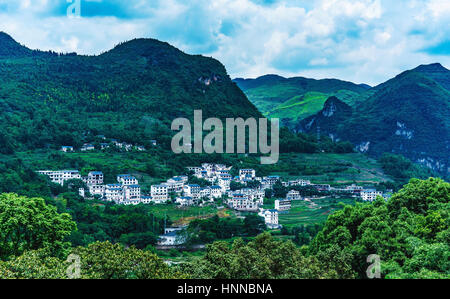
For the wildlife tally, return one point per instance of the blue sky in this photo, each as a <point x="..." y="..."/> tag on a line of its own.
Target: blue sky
<point x="364" y="41"/>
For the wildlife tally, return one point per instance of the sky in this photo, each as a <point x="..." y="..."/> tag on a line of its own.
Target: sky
<point x="363" y="41"/>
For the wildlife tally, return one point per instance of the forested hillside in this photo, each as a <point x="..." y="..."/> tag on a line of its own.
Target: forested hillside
<point x="131" y="93"/>
<point x="408" y="115"/>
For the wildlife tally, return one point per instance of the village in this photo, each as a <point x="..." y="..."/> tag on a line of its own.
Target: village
<point x="127" y="191"/>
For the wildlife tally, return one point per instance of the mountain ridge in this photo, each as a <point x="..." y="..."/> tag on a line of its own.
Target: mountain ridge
<point x="408" y="114"/>
<point x="132" y="92"/>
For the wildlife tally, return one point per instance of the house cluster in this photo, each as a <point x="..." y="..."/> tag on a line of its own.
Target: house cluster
<point x="106" y="144"/>
<point x="126" y="190"/>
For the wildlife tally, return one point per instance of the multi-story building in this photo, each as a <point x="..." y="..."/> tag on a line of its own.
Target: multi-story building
<point x="270" y="218"/>
<point x="247" y="174"/>
<point x="216" y="192"/>
<point x="370" y="194"/>
<point x="114" y="192"/>
<point x="127" y="179"/>
<point x="298" y="182"/>
<point x="283" y="205"/>
<point x="242" y="202"/>
<point x="192" y="191"/>
<point x="224" y="183"/>
<point x="293" y="195"/>
<point x="160" y="193"/>
<point x="354" y="189"/>
<point x="175" y="184"/>
<point x="254" y="194"/>
<point x="94" y="178"/>
<point x="132" y="192"/>
<point x="98" y="190"/>
<point x="61" y="176"/>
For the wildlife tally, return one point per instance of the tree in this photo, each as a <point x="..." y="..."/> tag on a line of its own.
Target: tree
<point x="113" y="261"/>
<point x="97" y="261"/>
<point x="267" y="258"/>
<point x="409" y="232"/>
<point x="30" y="224"/>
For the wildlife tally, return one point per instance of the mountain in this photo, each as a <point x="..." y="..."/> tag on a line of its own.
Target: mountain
<point x="409" y="115"/>
<point x="132" y="93"/>
<point x="294" y="99"/>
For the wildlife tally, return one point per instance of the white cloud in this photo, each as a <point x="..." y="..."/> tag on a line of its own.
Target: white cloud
<point x="360" y="40"/>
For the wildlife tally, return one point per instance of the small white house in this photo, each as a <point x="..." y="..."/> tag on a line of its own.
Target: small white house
<point x="172" y="238"/>
<point x="185" y="201"/>
<point x="67" y="149"/>
<point x="87" y="147"/>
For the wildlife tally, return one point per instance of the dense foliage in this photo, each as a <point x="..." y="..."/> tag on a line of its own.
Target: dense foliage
<point x="29" y="224"/>
<point x="410" y="232"/>
<point x="97" y="261"/>
<point x="215" y="228"/>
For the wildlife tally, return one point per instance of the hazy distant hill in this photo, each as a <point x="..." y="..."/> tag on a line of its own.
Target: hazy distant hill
<point x="409" y="114"/>
<point x="132" y="92"/>
<point x="294" y="99"/>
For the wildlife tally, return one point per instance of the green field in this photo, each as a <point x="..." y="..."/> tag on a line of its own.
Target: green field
<point x="184" y="215"/>
<point x="333" y="169"/>
<point x="300" y="107"/>
<point x="311" y="212"/>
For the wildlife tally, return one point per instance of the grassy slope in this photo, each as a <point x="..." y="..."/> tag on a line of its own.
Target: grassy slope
<point x="315" y="211"/>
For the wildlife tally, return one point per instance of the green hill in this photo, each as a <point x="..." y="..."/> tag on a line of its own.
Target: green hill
<point x="294" y="99"/>
<point x="131" y="93"/>
<point x="409" y="114"/>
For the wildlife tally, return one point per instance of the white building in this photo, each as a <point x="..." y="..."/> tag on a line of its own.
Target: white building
<point x="97" y="190"/>
<point x="67" y="149"/>
<point x="126" y="179"/>
<point x="87" y="147"/>
<point x="370" y="194"/>
<point x="247" y="174"/>
<point x="293" y="195"/>
<point x="216" y="192"/>
<point x="192" y="191"/>
<point x="160" y="193"/>
<point x="354" y="188"/>
<point x="172" y="238"/>
<point x="282" y="205"/>
<point x="175" y="184"/>
<point x="185" y="201"/>
<point x="242" y="202"/>
<point x="270" y="218"/>
<point x="61" y="176"/>
<point x="114" y="192"/>
<point x="94" y="178"/>
<point x="299" y="182"/>
<point x="254" y="194"/>
<point x="146" y="199"/>
<point x="132" y="192"/>
<point x="224" y="183"/>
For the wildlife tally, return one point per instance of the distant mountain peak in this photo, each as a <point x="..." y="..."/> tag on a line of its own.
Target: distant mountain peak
<point x="143" y="47"/>
<point x="10" y="48"/>
<point x="434" y="67"/>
